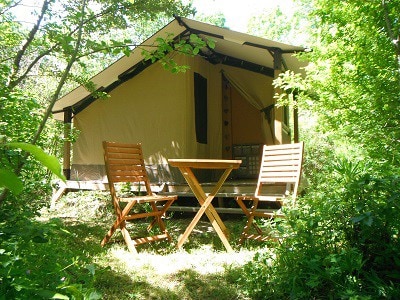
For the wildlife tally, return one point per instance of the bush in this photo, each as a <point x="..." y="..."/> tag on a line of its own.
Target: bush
<point x="36" y="261"/>
<point x="344" y="241"/>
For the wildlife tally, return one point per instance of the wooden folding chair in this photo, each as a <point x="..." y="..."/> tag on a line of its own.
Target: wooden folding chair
<point x="125" y="164"/>
<point x="278" y="179"/>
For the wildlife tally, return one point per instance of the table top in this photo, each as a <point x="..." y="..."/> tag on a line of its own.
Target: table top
<point x="205" y="163"/>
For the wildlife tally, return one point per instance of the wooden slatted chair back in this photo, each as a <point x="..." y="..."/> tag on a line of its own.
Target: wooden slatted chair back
<point x="280" y="166"/>
<point x="125" y="163"/>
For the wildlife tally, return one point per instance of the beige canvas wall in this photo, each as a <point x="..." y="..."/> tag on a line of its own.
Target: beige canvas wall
<point x="246" y="121"/>
<point x="213" y="148"/>
<point x="140" y="110"/>
<point x="258" y="86"/>
<point x="156" y="108"/>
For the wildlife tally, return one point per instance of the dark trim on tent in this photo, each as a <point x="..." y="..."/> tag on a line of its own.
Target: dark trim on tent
<point x="243" y="64"/>
<point x="125" y="76"/>
<point x="271" y="50"/>
<point x="135" y="70"/>
<point x="216" y="57"/>
<point x="180" y="22"/>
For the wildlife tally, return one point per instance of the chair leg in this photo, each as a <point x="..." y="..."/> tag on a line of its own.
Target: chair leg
<point x="121" y="223"/>
<point x="250" y="221"/>
<point x="158" y="219"/>
<point x="246" y="212"/>
<point x="117" y="223"/>
<point x="128" y="240"/>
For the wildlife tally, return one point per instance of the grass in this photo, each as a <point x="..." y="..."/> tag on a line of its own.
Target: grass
<point x="201" y="269"/>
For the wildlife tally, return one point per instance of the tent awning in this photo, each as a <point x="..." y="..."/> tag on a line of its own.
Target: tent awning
<point x="231" y="48"/>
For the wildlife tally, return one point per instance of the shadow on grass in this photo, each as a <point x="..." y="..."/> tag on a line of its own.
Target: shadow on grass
<point x="114" y="285"/>
<point x="160" y="271"/>
<point x="120" y="274"/>
<point x="214" y="286"/>
<point x="202" y="235"/>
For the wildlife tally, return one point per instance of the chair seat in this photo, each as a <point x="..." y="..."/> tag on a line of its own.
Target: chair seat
<point x="147" y="198"/>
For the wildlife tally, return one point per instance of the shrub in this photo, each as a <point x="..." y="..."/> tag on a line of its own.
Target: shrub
<point x="36" y="261"/>
<point x="344" y="241"/>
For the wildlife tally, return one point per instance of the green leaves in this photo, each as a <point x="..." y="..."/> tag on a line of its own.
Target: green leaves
<point x="366" y="218"/>
<point x="11" y="181"/>
<point x="168" y="45"/>
<point x="352" y="83"/>
<point x="49" y="161"/>
<point x="51" y="295"/>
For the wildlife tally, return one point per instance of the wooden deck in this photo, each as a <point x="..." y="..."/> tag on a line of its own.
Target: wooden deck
<point x="230" y="189"/>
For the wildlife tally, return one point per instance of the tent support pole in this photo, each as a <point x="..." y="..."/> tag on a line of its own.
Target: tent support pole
<point x="67" y="143"/>
<point x="278" y="111"/>
<point x="295" y="125"/>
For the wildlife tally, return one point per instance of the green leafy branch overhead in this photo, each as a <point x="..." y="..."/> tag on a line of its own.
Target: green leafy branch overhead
<point x="191" y="46"/>
<point x="61" y="40"/>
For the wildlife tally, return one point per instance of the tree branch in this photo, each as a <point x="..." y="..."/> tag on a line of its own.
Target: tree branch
<point x="393" y="38"/>
<point x="30" y="38"/>
<point x="14" y="79"/>
<point x="10" y="7"/>
<point x="18" y="80"/>
<point x="387" y="20"/>
<point x="64" y="77"/>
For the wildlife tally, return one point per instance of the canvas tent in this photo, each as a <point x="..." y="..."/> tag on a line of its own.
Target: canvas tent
<point x="222" y="107"/>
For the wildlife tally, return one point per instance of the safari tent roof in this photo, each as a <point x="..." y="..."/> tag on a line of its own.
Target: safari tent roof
<point x="231" y="48"/>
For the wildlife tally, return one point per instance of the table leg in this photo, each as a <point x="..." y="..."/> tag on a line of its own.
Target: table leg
<point x="206" y="207"/>
<point x="202" y="197"/>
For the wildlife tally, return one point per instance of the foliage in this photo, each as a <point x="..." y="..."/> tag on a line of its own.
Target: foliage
<point x="31" y="267"/>
<point x="282" y="25"/>
<point x="166" y="45"/>
<point x="38" y="62"/>
<point x="60" y="252"/>
<point x="12" y="182"/>
<point x="217" y="19"/>
<point x="352" y="82"/>
<point x="344" y="240"/>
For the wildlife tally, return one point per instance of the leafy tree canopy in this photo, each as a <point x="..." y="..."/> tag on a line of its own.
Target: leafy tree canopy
<point x="344" y="233"/>
<point x="46" y="54"/>
<point x="353" y="79"/>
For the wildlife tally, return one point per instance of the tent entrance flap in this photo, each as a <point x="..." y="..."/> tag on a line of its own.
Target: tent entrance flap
<point x="258" y="113"/>
<point x="243" y="115"/>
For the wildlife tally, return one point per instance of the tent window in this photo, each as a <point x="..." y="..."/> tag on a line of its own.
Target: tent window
<point x="200" y="104"/>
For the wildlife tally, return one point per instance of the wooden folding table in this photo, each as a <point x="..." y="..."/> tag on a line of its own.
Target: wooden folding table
<point x="186" y="166"/>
